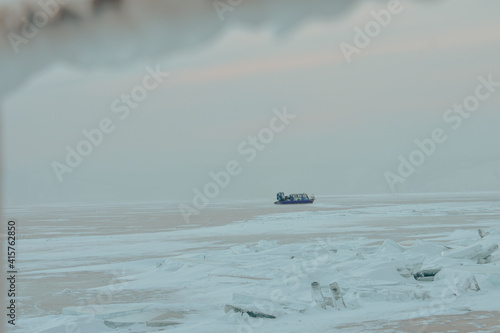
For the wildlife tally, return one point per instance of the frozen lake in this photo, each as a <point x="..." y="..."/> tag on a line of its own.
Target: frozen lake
<point x="141" y="268"/>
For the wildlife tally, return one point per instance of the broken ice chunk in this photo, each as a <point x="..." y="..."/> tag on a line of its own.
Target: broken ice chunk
<point x="410" y="266"/>
<point x="155" y="318"/>
<point x="317" y="295"/>
<point x="458" y="280"/>
<point x="482" y="233"/>
<point x="251" y="312"/>
<point x="473" y="252"/>
<point x="426" y="274"/>
<point x="337" y="299"/>
<point x="390" y="246"/>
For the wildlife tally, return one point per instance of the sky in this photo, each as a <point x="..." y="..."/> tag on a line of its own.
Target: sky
<point x="352" y="120"/>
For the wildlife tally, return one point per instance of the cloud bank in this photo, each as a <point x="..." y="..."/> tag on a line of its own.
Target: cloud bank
<point x="36" y="33"/>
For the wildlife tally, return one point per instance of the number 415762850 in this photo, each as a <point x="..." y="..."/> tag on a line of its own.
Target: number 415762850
<point x="11" y="240"/>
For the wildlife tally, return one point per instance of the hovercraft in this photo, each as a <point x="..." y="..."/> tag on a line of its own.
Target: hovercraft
<point x="293" y="199"/>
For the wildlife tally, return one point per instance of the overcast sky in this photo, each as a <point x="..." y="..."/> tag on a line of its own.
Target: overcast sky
<point x="353" y="120"/>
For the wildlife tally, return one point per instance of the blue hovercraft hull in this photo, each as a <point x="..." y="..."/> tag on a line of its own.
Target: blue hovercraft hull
<point x="294" y="202"/>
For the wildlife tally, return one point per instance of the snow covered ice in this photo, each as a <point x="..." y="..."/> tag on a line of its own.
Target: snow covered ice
<point x="256" y="274"/>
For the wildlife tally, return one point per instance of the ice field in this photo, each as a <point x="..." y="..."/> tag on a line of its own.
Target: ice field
<point x="401" y="263"/>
